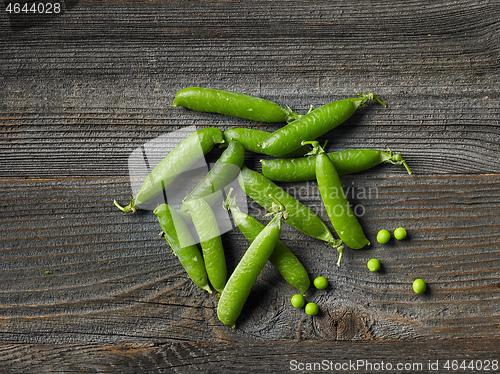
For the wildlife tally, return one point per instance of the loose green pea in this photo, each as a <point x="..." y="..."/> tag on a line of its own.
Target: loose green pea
<point x="400" y="233"/>
<point x="419" y="286"/>
<point x="298" y="300"/>
<point x="373" y="264"/>
<point x="320" y="283"/>
<point x="383" y="236"/>
<point x="312" y="309"/>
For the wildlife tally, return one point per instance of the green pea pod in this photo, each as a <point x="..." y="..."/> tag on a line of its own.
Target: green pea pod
<point x="182" y="243"/>
<point x="245" y="274"/>
<point x="185" y="154"/>
<point x="209" y="234"/>
<point x="224" y="171"/>
<point x="282" y="258"/>
<point x="345" y="162"/>
<point x="312" y="125"/>
<point x="341" y="215"/>
<point x="233" y="104"/>
<point x="251" y="138"/>
<point x="258" y="187"/>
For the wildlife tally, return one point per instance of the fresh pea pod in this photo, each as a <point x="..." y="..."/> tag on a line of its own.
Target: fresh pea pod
<point x="287" y="264"/>
<point x="245" y="274"/>
<point x="312" y="125"/>
<point x="185" y="154"/>
<point x="345" y="162"/>
<point x="183" y="245"/>
<point x="251" y="138"/>
<point x="224" y="171"/>
<point x="208" y="231"/>
<point x="301" y="217"/>
<point x="233" y="104"/>
<point x="341" y="215"/>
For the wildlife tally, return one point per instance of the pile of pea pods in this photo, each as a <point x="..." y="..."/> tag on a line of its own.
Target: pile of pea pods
<point x="297" y="156"/>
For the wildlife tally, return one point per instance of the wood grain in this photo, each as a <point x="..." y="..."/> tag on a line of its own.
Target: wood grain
<point x="362" y="357"/>
<point x="105" y="264"/>
<point x="80" y="91"/>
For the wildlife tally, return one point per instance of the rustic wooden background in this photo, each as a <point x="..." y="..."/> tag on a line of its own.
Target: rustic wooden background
<point x="81" y="90"/>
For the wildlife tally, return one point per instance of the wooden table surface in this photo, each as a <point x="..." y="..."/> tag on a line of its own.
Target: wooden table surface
<point x="87" y="289"/>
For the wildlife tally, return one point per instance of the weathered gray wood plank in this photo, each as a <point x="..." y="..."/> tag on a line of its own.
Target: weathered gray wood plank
<point x="265" y="357"/>
<point x="80" y="92"/>
<point x="83" y="93"/>
<point x="113" y="267"/>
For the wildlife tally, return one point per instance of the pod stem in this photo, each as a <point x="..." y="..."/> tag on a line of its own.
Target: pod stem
<point x="316" y="148"/>
<point x="277" y="209"/>
<point x="396" y="159"/>
<point x="130" y="208"/>
<point x="339" y="246"/>
<point x="370" y="97"/>
<point x="230" y="202"/>
<point x="314" y="144"/>
<point x="291" y="115"/>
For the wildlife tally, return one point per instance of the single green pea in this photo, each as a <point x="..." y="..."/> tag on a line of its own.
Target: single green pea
<point x="383" y="236"/>
<point x="373" y="264"/>
<point x="312" y="309"/>
<point x="400" y="233"/>
<point x="298" y="300"/>
<point x="419" y="286"/>
<point x="320" y="283"/>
